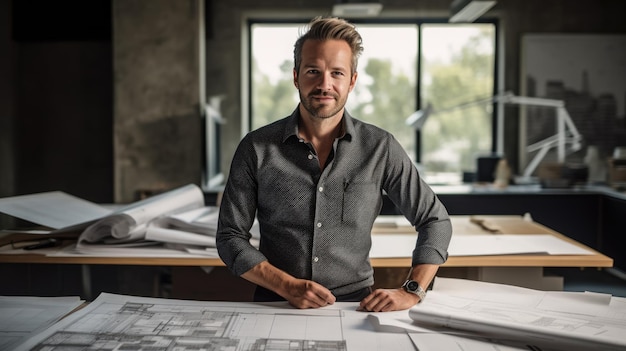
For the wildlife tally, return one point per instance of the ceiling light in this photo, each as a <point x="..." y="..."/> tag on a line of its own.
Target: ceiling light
<point x="358" y="10"/>
<point x="468" y="10"/>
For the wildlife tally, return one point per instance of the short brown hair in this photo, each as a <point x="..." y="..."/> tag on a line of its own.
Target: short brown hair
<point x="330" y="28"/>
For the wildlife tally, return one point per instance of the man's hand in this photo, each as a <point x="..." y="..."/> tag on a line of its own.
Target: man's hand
<point x="302" y="293"/>
<point x="385" y="300"/>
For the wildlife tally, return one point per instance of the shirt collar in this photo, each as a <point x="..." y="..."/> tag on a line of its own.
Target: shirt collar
<point x="291" y="127"/>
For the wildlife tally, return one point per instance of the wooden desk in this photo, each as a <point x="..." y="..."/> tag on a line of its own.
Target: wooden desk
<point x="461" y="225"/>
<point x="522" y="270"/>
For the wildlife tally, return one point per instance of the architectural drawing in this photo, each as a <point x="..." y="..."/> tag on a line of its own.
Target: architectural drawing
<point x="114" y="322"/>
<point x="469" y="315"/>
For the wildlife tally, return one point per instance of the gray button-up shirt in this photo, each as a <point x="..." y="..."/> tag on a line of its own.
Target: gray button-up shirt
<point x="317" y="224"/>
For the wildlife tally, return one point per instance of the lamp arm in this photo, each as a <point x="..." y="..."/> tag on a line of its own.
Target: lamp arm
<point x="550" y="142"/>
<point x="567" y="131"/>
<point x="509" y="98"/>
<point x="532" y="165"/>
<point x="576" y="136"/>
<point x="565" y="126"/>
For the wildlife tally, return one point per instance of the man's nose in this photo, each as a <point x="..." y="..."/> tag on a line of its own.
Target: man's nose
<point x="325" y="81"/>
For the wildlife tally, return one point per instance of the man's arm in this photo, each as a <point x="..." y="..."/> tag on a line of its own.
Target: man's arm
<point x="300" y="293"/>
<point x="384" y="300"/>
<point x="422" y="208"/>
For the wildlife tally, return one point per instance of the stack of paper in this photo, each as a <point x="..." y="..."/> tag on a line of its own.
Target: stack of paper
<point x="129" y="225"/>
<point x="172" y="223"/>
<point x="548" y="319"/>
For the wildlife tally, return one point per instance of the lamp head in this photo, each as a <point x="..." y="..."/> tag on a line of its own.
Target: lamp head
<point x="467" y="11"/>
<point x="417" y="119"/>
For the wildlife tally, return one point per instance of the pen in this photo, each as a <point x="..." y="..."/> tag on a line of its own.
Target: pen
<point x="42" y="245"/>
<point x="486" y="225"/>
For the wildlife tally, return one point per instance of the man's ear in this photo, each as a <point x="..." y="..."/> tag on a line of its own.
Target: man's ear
<point x="353" y="80"/>
<point x="295" y="79"/>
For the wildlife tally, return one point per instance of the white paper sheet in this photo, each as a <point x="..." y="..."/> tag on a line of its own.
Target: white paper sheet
<point x="401" y="245"/>
<point x="490" y="244"/>
<point x="450" y="342"/>
<point x="55" y="209"/>
<point x="391" y="222"/>
<point x="561" y="320"/>
<point x="167" y="235"/>
<point x="200" y="220"/>
<point x="22" y="317"/>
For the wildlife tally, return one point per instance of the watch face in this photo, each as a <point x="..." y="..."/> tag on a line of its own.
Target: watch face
<point x="412" y="285"/>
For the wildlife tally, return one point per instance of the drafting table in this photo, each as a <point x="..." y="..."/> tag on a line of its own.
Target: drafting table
<point x="523" y="270"/>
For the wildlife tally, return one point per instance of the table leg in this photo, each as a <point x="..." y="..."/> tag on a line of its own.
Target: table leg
<point x="86" y="279"/>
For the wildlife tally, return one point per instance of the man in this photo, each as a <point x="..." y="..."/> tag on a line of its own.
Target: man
<point x="315" y="182"/>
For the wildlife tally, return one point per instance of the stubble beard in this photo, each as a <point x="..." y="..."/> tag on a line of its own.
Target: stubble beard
<point x="318" y="111"/>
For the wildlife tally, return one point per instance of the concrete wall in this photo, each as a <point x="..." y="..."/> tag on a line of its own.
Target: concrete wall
<point x="158" y="84"/>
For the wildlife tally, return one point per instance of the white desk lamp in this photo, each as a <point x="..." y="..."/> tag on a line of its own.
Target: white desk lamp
<point x="567" y="133"/>
<point x="212" y="177"/>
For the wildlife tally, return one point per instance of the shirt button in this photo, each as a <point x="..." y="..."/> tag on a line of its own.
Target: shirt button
<point x="321" y="189"/>
<point x="315" y="259"/>
<point x="310" y="157"/>
<point x="319" y="224"/>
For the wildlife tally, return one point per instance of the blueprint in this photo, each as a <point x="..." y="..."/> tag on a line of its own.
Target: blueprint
<point x="117" y="322"/>
<point x="460" y="314"/>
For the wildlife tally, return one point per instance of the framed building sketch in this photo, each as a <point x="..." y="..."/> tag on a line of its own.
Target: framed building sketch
<point x="587" y="72"/>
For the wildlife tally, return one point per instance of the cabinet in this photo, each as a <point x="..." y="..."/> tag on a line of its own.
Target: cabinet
<point x="613" y="233"/>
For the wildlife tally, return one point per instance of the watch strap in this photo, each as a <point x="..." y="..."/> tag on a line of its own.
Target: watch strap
<point x="419" y="291"/>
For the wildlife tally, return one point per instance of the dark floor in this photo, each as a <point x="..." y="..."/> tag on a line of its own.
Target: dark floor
<point x="609" y="281"/>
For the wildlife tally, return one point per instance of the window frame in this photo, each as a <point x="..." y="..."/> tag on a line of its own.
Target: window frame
<point x="418" y="79"/>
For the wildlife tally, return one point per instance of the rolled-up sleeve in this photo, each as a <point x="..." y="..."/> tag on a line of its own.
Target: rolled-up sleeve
<point x="237" y="213"/>
<point x="420" y="205"/>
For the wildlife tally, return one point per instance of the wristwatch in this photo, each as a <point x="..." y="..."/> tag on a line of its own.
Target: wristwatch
<point x="414" y="288"/>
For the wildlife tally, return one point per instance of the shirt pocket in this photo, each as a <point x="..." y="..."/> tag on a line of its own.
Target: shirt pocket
<point x="361" y="203"/>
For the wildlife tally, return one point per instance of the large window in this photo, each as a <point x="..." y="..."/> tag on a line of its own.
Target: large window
<point x="405" y="66"/>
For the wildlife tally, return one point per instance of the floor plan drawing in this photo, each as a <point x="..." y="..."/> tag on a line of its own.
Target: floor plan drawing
<point x="460" y="314"/>
<point x="114" y="322"/>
